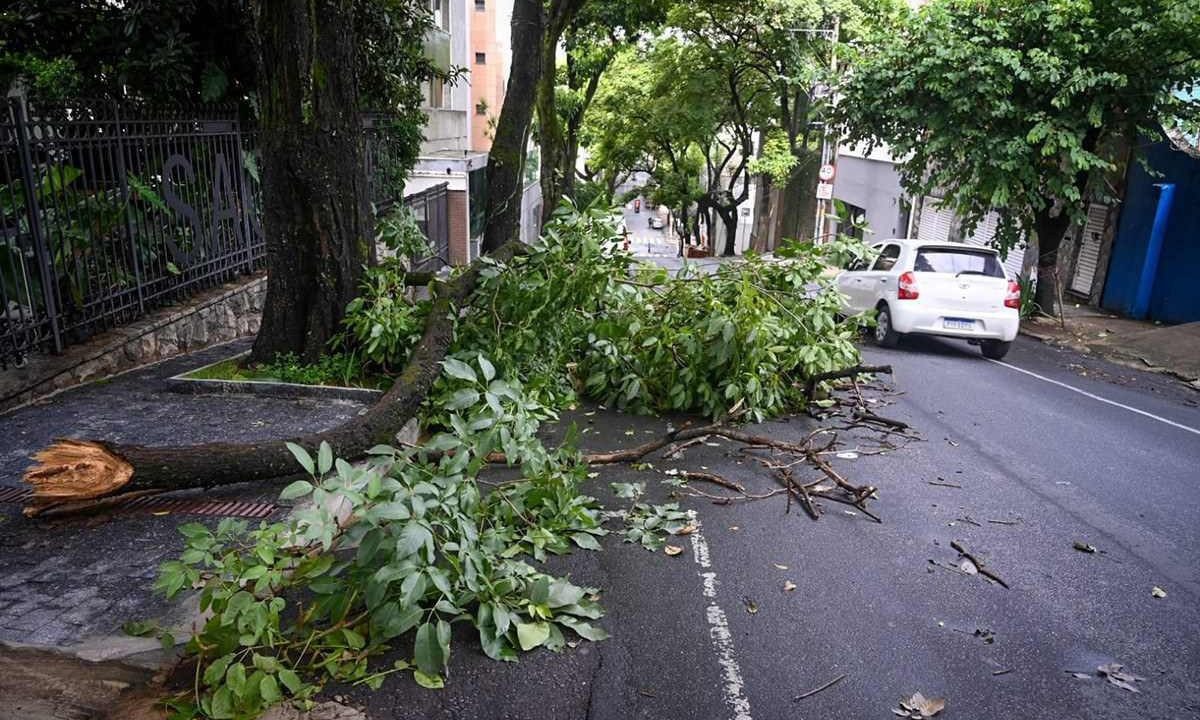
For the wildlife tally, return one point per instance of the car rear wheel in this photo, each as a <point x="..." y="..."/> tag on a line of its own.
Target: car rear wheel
<point x="885" y="335"/>
<point x="994" y="349"/>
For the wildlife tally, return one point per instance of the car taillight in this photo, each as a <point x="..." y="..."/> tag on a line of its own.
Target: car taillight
<point x="1013" y="298"/>
<point x="907" y="288"/>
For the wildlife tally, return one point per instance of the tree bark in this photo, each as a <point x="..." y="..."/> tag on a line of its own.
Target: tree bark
<point x="554" y="176"/>
<point x="506" y="159"/>
<point x="315" y="211"/>
<point x="798" y="200"/>
<point x="1050" y="230"/>
<point x="729" y="217"/>
<point x="73" y="470"/>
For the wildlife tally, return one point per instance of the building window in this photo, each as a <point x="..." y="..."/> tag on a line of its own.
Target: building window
<point x="480" y="5"/>
<point x="441" y="13"/>
<point x="437" y="93"/>
<point x="480" y="58"/>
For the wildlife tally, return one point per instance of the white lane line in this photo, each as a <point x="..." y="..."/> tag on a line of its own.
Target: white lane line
<point x="1085" y="393"/>
<point x="734" y="688"/>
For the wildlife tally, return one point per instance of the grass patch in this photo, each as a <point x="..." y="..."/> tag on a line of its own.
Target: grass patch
<point x="336" y="370"/>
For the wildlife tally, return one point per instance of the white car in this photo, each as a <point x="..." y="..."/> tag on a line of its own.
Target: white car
<point x="932" y="288"/>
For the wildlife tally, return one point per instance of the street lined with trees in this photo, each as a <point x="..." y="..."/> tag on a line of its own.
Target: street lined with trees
<point x="440" y="506"/>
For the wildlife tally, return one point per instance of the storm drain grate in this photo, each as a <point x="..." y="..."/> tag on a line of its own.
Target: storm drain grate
<point x="14" y="494"/>
<point x="184" y="506"/>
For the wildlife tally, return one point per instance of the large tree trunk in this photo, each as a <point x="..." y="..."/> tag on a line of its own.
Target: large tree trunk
<point x="506" y="159"/>
<point x="555" y="177"/>
<point x="73" y="470"/>
<point x="1050" y="230"/>
<point x="315" y="211"/>
<point x="798" y="200"/>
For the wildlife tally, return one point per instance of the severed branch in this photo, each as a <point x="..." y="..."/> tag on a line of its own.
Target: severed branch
<point x="810" y="388"/>
<point x="72" y="470"/>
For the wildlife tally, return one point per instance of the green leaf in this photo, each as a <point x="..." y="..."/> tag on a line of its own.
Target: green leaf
<point x="302" y="457"/>
<point x="462" y="399"/>
<point x="459" y="369"/>
<point x="324" y="458"/>
<point x="269" y="689"/>
<point x="531" y="635"/>
<point x="489" y="370"/>
<point x="429" y="681"/>
<point x="412" y="538"/>
<point x="427" y="651"/>
<point x="300" y="488"/>
<point x="214" y="672"/>
<point x="221" y="705"/>
<point x="585" y="541"/>
<point x="290" y="680"/>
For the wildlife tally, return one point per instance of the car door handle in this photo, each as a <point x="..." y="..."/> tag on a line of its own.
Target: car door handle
<point x="883" y="280"/>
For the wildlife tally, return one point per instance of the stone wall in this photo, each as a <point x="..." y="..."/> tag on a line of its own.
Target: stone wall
<point x="212" y="317"/>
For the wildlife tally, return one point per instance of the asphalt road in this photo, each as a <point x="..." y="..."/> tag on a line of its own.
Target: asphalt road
<point x="1055" y="466"/>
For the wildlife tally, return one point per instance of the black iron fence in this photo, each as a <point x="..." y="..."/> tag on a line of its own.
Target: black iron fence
<point x="432" y="213"/>
<point x="108" y="211"/>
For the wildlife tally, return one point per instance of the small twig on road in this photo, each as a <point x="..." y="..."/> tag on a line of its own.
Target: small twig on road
<point x="945" y="484"/>
<point x="978" y="564"/>
<point x="1005" y="522"/>
<point x="826" y="686"/>
<point x="1005" y="671"/>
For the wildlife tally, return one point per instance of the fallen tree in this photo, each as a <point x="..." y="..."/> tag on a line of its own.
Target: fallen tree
<point x="81" y="470"/>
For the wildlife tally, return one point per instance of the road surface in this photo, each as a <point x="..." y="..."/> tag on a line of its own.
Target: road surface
<point x="1117" y="468"/>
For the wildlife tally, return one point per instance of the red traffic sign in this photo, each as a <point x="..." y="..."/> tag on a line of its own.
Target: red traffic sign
<point x="826" y="172"/>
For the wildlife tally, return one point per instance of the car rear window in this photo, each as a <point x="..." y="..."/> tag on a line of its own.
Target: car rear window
<point x="958" y="262"/>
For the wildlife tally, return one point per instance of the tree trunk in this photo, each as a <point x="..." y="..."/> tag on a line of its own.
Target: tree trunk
<point x="554" y="177"/>
<point x="729" y="217"/>
<point x="73" y="470"/>
<point x="550" y="136"/>
<point x="1050" y="230"/>
<point x="315" y="211"/>
<point x="798" y="200"/>
<point x="506" y="159"/>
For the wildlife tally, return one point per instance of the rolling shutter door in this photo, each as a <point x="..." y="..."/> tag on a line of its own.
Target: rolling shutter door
<point x="983" y="237"/>
<point x="1089" y="249"/>
<point x="935" y="222"/>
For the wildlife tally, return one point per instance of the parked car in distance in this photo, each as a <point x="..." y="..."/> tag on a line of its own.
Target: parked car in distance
<point x="656" y="222"/>
<point x="932" y="288"/>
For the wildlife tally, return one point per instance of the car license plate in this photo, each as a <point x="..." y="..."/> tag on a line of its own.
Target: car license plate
<point x="958" y="324"/>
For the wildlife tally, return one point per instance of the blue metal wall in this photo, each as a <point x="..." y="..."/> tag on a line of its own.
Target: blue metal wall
<point x="1175" y="297"/>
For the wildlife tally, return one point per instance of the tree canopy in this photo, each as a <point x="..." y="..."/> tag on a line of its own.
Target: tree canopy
<point x="1014" y="106"/>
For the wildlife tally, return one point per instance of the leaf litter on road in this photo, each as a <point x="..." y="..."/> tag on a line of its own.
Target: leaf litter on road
<point x="918" y="707"/>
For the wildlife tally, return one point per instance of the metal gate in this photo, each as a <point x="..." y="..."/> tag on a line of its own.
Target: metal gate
<point x="1088" y="258"/>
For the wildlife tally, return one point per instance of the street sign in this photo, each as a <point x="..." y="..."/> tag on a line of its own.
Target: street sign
<point x="824" y="191"/>
<point x="826" y="172"/>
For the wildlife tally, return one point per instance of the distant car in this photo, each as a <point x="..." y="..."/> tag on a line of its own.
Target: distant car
<point x="929" y="288"/>
<point x="656" y="222"/>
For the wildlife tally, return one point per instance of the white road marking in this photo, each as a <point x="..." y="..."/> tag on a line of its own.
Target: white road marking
<point x="734" y="688"/>
<point x="1085" y="393"/>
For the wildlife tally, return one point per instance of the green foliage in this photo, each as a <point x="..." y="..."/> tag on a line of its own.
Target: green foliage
<point x="399" y="232"/>
<point x="1029" y="306"/>
<point x="382" y="324"/>
<point x="392" y="552"/>
<point x="1007" y="106"/>
<point x="745" y="337"/>
<point x="415" y="547"/>
<point x="776" y="159"/>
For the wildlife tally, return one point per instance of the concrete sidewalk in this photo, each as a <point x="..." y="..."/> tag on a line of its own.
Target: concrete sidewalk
<point x="1170" y="349"/>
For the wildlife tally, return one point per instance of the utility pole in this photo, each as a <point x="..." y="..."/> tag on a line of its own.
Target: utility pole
<point x="830" y="34"/>
<point x="827" y="152"/>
